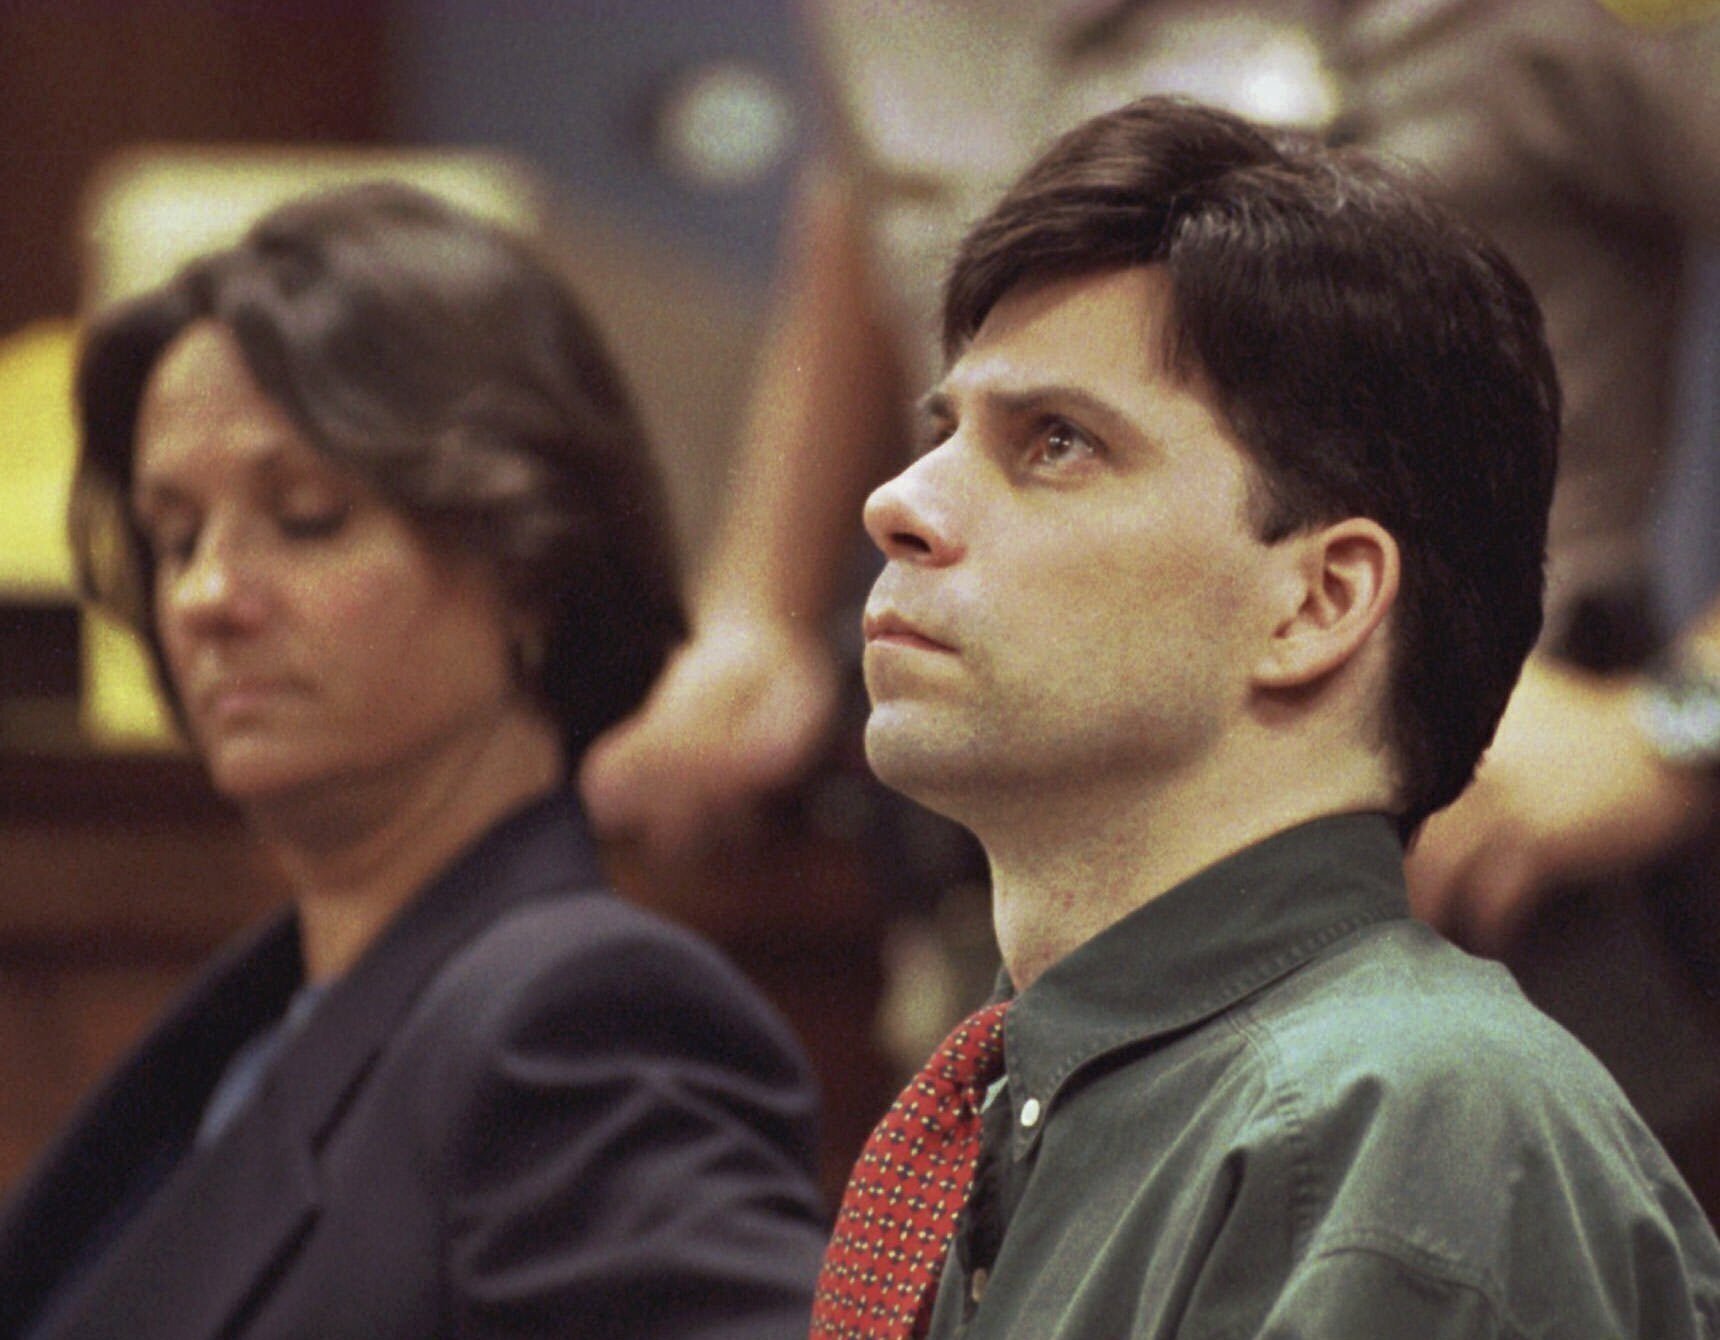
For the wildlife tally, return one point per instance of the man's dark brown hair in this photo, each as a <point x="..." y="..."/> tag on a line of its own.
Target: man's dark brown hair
<point x="1375" y="356"/>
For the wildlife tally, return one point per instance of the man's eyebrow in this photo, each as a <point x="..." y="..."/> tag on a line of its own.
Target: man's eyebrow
<point x="938" y="404"/>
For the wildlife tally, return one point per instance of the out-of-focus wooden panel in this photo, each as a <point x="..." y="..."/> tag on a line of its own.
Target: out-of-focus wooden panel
<point x="118" y="876"/>
<point x="85" y="77"/>
<point x="61" y="1027"/>
<point x="119" y="857"/>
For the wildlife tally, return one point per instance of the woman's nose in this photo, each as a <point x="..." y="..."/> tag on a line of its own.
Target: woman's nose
<point x="912" y="518"/>
<point x="217" y="586"/>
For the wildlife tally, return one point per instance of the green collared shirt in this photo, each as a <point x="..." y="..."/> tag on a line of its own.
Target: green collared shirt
<point x="1268" y="1103"/>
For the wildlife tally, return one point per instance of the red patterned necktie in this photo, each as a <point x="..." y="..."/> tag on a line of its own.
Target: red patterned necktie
<point x="906" y="1192"/>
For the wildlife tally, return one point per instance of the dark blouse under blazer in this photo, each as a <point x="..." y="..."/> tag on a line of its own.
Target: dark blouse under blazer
<point x="530" y="1110"/>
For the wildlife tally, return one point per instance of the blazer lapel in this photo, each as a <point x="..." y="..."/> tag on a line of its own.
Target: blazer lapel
<point x="142" y="1114"/>
<point x="202" y="1249"/>
<point x="523" y="857"/>
<point x="231" y="1214"/>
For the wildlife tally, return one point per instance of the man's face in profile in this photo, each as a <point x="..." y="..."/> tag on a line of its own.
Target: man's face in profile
<point x="1074" y="596"/>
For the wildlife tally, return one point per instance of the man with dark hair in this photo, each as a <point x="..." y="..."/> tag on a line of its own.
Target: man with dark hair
<point x="1212" y="585"/>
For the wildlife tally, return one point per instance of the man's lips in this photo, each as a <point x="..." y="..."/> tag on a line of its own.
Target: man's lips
<point x="887" y="626"/>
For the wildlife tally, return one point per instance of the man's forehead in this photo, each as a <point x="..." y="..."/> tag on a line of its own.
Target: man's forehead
<point x="1142" y="297"/>
<point x="1108" y="327"/>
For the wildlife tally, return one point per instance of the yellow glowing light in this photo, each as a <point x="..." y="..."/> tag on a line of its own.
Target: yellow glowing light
<point x="36" y="460"/>
<point x="1661" y="13"/>
<point x="119" y="706"/>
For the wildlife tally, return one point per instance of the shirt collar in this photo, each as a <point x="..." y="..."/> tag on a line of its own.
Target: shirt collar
<point x="1199" y="948"/>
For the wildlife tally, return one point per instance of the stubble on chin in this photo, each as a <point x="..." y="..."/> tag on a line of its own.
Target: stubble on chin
<point x="934" y="764"/>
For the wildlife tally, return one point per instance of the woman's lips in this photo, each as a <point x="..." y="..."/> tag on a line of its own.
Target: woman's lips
<point x="232" y="698"/>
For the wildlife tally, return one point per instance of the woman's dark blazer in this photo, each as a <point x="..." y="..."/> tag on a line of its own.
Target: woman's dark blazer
<point x="530" y="1110"/>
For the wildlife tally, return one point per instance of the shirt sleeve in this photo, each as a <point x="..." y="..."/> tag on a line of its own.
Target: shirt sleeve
<point x="1483" y="1179"/>
<point x="1360" y="1292"/>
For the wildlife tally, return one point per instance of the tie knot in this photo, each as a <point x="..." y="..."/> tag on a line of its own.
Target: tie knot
<point x="972" y="1055"/>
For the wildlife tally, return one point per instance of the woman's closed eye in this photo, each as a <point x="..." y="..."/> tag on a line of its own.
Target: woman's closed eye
<point x="313" y="523"/>
<point x="311" y="508"/>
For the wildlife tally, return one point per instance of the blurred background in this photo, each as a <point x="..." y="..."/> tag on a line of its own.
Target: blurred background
<point x="654" y="143"/>
<point x="664" y="134"/>
<point x="653" y="140"/>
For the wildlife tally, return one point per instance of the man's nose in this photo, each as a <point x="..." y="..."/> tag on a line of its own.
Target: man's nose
<point x="913" y="517"/>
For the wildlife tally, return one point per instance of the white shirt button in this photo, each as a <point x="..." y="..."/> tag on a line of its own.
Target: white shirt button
<point x="976" y="1286"/>
<point x="1030" y="1112"/>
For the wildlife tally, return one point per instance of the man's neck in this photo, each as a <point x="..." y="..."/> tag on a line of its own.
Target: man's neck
<point x="1063" y="873"/>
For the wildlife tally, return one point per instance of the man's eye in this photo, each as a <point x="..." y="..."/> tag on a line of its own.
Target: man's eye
<point x="1061" y="442"/>
<point x="932" y="435"/>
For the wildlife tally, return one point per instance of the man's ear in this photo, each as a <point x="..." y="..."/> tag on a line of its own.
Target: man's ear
<point x="1340" y="582"/>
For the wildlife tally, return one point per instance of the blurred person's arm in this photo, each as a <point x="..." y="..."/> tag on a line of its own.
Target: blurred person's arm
<point x="747" y="702"/>
<point x="1574" y="787"/>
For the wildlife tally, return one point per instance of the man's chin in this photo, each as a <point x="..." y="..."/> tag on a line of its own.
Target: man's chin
<point x="930" y="772"/>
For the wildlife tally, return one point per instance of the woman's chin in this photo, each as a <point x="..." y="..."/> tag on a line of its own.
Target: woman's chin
<point x="249" y="781"/>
